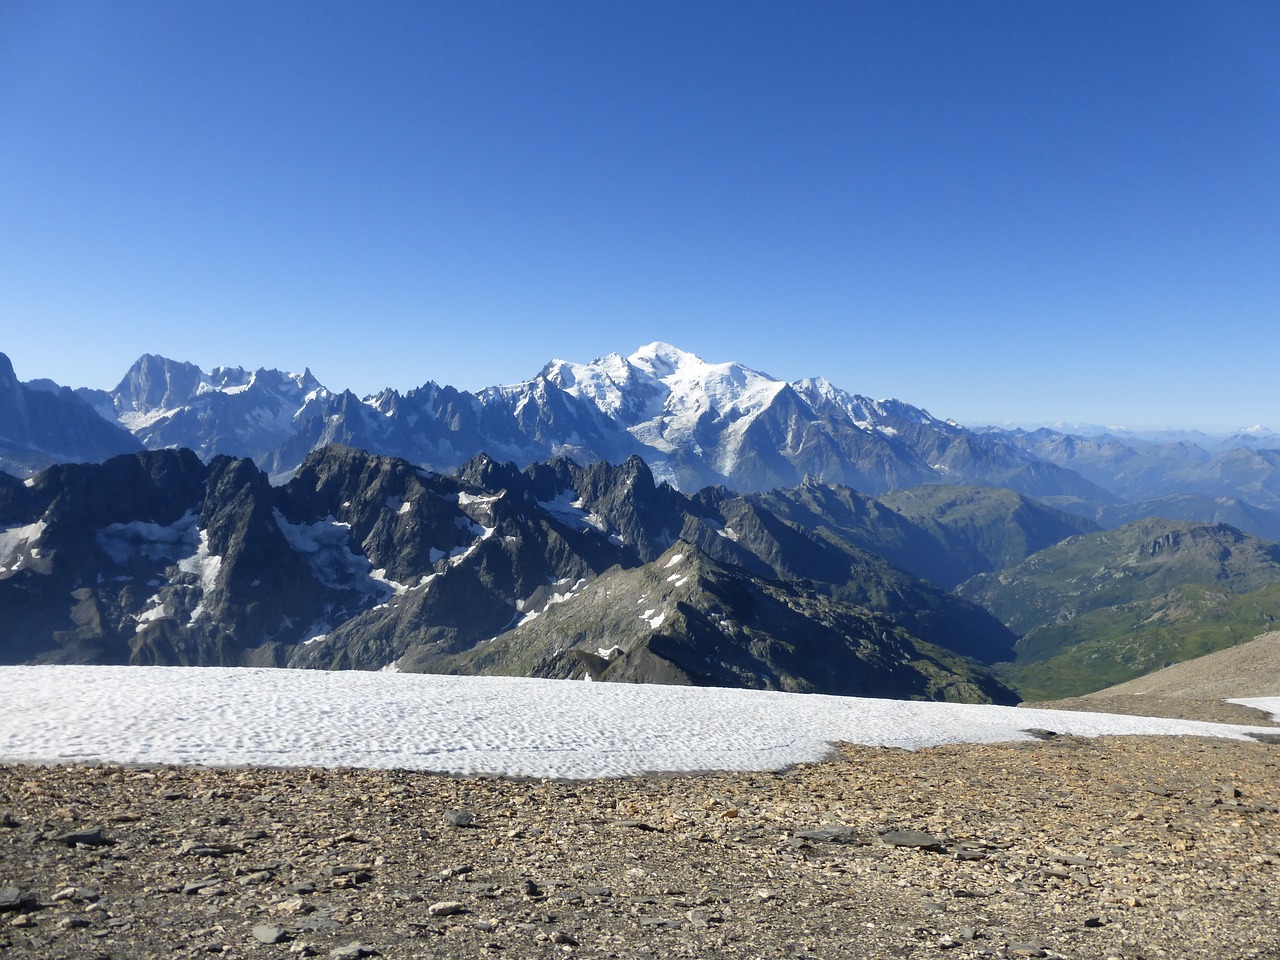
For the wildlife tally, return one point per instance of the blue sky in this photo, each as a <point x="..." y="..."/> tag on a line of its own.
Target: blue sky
<point x="1001" y="211"/>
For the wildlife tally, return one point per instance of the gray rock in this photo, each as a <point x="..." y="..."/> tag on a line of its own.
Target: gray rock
<point x="352" y="951"/>
<point x="10" y="898"/>
<point x="352" y="874"/>
<point x="93" y="837"/>
<point x="197" y="848"/>
<point x="911" y="838"/>
<point x="460" y="818"/>
<point x="82" y="894"/>
<point x="270" y="933"/>
<point x="204" y="883"/>
<point x="446" y="908"/>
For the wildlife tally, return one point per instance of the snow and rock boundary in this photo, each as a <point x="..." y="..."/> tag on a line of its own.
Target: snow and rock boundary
<point x="485" y="725"/>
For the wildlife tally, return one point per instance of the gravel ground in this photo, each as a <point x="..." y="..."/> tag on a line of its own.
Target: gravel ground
<point x="1120" y="847"/>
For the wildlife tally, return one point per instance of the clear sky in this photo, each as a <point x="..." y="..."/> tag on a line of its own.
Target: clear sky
<point x="1001" y="211"/>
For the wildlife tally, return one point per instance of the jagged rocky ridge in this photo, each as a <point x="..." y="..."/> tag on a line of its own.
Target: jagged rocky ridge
<point x="362" y="561"/>
<point x="696" y="424"/>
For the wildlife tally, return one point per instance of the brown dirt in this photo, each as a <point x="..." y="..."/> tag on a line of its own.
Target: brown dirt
<point x="1119" y="847"/>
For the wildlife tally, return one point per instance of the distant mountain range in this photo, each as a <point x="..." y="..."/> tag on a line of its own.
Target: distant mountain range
<point x="647" y="518"/>
<point x="695" y="423"/>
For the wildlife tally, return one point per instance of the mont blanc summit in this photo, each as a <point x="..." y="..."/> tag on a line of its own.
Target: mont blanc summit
<point x="696" y="423"/>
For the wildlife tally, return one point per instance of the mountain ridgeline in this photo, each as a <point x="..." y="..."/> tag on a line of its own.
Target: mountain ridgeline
<point x="694" y="422"/>
<point x="369" y="562"/>
<point x="651" y="517"/>
<point x="1103" y="608"/>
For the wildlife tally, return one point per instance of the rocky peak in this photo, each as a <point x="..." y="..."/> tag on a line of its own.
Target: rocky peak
<point x="157" y="383"/>
<point x="13" y="405"/>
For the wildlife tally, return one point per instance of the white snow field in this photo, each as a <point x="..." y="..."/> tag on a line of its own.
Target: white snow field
<point x="474" y="725"/>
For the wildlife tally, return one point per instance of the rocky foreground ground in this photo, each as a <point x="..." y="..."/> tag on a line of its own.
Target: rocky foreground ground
<point x="1061" y="847"/>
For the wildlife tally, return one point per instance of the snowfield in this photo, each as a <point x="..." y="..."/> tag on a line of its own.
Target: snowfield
<point x="473" y="725"/>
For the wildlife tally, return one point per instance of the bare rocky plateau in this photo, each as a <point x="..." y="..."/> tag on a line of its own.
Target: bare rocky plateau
<point x="1060" y="847"/>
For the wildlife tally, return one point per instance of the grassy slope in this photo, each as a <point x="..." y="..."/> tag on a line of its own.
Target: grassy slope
<point x="1097" y="610"/>
<point x="1114" y="644"/>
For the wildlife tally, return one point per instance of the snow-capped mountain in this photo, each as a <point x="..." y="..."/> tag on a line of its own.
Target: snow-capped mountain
<point x="699" y="423"/>
<point x="228" y="410"/>
<point x="695" y="422"/>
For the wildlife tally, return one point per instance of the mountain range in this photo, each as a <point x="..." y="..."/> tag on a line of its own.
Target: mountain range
<point x="1105" y="607"/>
<point x="648" y="518"/>
<point x="370" y="562"/>
<point x="695" y="423"/>
<point x="361" y="561"/>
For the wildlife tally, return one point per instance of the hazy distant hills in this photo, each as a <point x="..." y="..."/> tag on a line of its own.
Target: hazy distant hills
<point x="42" y="424"/>
<point x="1139" y="471"/>
<point x="695" y="423"/>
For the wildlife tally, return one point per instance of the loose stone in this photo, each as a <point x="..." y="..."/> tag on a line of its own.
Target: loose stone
<point x="269" y="933"/>
<point x="352" y="951"/>
<point x="460" y="818"/>
<point x="911" y="838"/>
<point x="446" y="908"/>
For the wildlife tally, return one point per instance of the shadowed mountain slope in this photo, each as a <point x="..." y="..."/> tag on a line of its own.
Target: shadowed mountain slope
<point x="367" y="562"/>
